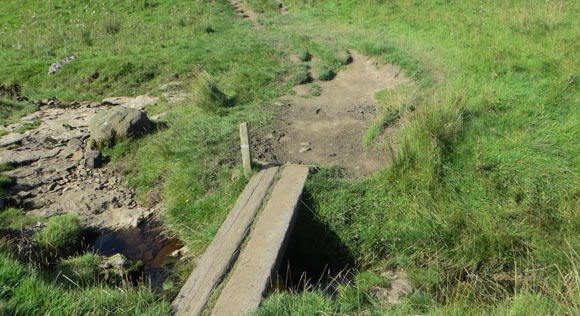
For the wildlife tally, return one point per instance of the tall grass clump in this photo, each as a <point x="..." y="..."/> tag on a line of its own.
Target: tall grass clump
<point x="61" y="235"/>
<point x="83" y="270"/>
<point x="25" y="292"/>
<point x="207" y="95"/>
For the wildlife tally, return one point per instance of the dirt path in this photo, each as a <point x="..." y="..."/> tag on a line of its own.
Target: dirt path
<point x="329" y="129"/>
<point x="283" y="10"/>
<point x="245" y="12"/>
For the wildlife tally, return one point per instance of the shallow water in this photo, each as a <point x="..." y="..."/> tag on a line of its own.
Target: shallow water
<point x="146" y="243"/>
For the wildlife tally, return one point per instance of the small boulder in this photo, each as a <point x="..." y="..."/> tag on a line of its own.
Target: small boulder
<point x="117" y="124"/>
<point x="11" y="139"/>
<point x="93" y="159"/>
<point x="118" y="268"/>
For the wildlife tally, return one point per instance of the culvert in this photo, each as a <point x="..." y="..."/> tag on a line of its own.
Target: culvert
<point x="315" y="257"/>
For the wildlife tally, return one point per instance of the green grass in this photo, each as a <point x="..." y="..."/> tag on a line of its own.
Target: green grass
<point x="80" y="270"/>
<point x="24" y="291"/>
<point x="485" y="180"/>
<point x="61" y="234"/>
<point x="16" y="218"/>
<point x="11" y="111"/>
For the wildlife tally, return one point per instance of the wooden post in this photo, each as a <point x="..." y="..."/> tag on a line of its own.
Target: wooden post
<point x="245" y="147"/>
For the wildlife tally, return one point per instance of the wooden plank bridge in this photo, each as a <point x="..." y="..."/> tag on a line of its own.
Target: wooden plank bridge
<point x="247" y="248"/>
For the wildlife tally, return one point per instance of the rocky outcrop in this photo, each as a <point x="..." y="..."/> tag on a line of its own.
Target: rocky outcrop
<point x="55" y="172"/>
<point x="116" y="125"/>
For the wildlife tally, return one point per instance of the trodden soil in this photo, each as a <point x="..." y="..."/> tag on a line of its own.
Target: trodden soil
<point x="329" y="129"/>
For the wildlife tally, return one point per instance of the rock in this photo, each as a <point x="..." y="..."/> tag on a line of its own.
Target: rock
<point x="93" y="159"/>
<point x="117" y="124"/>
<point x="117" y="261"/>
<point x="400" y="287"/>
<point x="153" y="197"/>
<point x="305" y="144"/>
<point x="179" y="253"/>
<point x="11" y="139"/>
<point x="279" y="104"/>
<point x="78" y="155"/>
<point x="50" y="140"/>
<point x="284" y="139"/>
<point x="23" y="158"/>
<point x="159" y="117"/>
<point x="175" y="97"/>
<point x="304" y="149"/>
<point x="139" y="102"/>
<point x="52" y="186"/>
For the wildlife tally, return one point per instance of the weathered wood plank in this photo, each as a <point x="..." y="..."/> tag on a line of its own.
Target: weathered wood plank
<point x="245" y="147"/>
<point x="224" y="248"/>
<point x="250" y="277"/>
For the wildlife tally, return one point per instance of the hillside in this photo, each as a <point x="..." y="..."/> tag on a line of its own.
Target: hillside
<point x="442" y="137"/>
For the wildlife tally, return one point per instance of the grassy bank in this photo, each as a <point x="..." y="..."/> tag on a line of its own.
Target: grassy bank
<point x="485" y="185"/>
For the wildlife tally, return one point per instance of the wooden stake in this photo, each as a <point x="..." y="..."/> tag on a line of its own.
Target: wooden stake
<point x="245" y="147"/>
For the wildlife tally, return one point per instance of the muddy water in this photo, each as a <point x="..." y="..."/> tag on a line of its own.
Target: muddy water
<point x="146" y="243"/>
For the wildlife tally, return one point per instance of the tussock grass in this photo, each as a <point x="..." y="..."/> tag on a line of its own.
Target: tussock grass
<point x="207" y="95"/>
<point x="16" y="218"/>
<point x="24" y="291"/>
<point x="61" y="231"/>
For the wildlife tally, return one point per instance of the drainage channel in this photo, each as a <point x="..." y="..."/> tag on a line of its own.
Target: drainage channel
<point x="146" y="243"/>
<point x="315" y="258"/>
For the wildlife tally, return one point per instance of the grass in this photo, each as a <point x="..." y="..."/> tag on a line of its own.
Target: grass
<point x="11" y="111"/>
<point x="480" y="203"/>
<point x="24" y="291"/>
<point x="16" y="219"/>
<point x="61" y="235"/>
<point x="485" y="178"/>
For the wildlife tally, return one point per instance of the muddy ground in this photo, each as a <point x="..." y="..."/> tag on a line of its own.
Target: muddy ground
<point x="328" y="129"/>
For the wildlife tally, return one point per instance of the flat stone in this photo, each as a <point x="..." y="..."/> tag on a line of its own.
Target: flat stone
<point x="78" y="155"/>
<point x="305" y="144"/>
<point x="139" y="102"/>
<point x="304" y="149"/>
<point x="284" y="139"/>
<point x="11" y="139"/>
<point x="74" y="143"/>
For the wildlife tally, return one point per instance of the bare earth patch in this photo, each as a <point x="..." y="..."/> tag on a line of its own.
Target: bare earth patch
<point x="246" y="13"/>
<point x="328" y="129"/>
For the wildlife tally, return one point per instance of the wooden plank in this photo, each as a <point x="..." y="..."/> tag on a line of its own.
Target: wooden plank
<point x="224" y="248"/>
<point x="245" y="147"/>
<point x="250" y="278"/>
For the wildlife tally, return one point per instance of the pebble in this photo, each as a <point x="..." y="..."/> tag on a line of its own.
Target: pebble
<point x="284" y="139"/>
